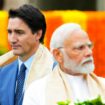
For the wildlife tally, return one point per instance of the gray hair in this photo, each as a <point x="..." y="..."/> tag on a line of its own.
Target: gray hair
<point x="61" y="33"/>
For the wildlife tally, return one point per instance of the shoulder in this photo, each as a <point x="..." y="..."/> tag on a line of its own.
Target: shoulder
<point x="102" y="80"/>
<point x="9" y="67"/>
<point x="99" y="78"/>
<point x="8" y="74"/>
<point x="11" y="64"/>
<point x="7" y="58"/>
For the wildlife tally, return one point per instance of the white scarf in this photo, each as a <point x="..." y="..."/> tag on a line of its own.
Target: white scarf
<point x="58" y="88"/>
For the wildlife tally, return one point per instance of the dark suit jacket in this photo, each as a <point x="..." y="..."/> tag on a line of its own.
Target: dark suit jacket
<point x="8" y="76"/>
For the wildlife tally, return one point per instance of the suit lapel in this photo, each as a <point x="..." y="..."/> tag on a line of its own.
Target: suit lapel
<point x="12" y="79"/>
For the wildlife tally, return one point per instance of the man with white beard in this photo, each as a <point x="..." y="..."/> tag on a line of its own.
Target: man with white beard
<point x="73" y="76"/>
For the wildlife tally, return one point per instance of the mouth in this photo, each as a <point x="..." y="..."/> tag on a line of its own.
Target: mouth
<point x="87" y="62"/>
<point x="15" y="46"/>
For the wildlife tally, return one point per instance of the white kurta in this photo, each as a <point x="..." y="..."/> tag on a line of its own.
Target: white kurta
<point x="36" y="93"/>
<point x="79" y="88"/>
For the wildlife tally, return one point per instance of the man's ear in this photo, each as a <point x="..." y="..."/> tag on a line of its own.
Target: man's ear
<point x="58" y="55"/>
<point x="38" y="35"/>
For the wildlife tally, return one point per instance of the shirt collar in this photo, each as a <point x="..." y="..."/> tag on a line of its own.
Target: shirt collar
<point x="27" y="62"/>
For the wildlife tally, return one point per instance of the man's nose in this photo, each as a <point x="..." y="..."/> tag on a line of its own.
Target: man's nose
<point x="12" y="38"/>
<point x="88" y="52"/>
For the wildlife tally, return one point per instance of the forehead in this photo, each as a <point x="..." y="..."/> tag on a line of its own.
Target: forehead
<point x="16" y="23"/>
<point x="76" y="37"/>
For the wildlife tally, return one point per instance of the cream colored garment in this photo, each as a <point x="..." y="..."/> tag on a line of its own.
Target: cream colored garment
<point x="79" y="87"/>
<point x="41" y="65"/>
<point x="7" y="58"/>
<point x="58" y="88"/>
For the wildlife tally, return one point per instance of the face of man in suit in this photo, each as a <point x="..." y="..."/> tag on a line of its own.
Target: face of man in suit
<point x="24" y="43"/>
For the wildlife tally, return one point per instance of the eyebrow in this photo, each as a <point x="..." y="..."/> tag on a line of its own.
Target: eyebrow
<point x="79" y="44"/>
<point x="15" y="30"/>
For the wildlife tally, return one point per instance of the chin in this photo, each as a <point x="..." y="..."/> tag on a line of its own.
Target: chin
<point x="17" y="53"/>
<point x="89" y="68"/>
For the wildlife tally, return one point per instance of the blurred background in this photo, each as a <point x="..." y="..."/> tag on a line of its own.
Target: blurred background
<point x="90" y="14"/>
<point x="56" y="4"/>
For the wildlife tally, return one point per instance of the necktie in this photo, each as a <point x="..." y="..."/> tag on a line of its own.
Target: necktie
<point x="20" y="84"/>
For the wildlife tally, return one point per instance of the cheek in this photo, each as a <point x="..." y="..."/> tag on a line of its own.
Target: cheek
<point x="32" y="39"/>
<point x="76" y="57"/>
<point x="31" y="43"/>
<point x="28" y="40"/>
<point x="9" y="38"/>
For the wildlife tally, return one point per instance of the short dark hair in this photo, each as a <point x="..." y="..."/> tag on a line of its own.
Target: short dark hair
<point x="32" y="17"/>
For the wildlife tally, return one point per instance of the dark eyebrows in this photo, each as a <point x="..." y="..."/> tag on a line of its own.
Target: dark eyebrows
<point x="18" y="31"/>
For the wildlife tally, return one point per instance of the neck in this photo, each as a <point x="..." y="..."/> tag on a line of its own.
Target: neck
<point x="28" y="55"/>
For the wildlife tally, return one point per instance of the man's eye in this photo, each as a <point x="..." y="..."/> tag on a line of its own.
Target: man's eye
<point x="81" y="47"/>
<point x="9" y="31"/>
<point x="90" y="46"/>
<point x="20" y="32"/>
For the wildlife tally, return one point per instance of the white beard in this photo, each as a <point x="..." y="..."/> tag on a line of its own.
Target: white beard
<point x="78" y="68"/>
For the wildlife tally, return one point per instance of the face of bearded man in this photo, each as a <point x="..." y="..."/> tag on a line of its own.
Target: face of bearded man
<point x="84" y="67"/>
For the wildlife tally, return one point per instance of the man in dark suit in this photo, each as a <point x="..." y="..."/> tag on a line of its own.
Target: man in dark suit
<point x="26" y="29"/>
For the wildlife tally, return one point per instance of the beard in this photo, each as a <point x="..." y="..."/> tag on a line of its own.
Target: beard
<point x="84" y="67"/>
